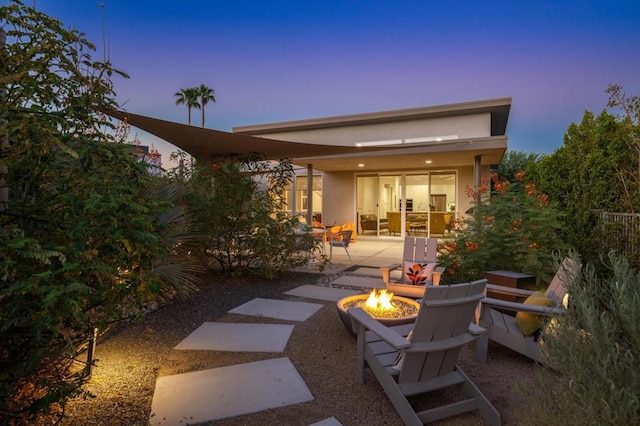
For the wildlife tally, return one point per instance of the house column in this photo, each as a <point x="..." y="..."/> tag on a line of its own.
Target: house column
<point x="309" y="194"/>
<point x="478" y="177"/>
<point x="478" y="171"/>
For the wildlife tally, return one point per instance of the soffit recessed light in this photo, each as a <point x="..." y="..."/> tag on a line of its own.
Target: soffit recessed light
<point x="428" y="162"/>
<point x="361" y="165"/>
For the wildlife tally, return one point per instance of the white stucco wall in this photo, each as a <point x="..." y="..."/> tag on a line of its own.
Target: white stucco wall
<point x="338" y="198"/>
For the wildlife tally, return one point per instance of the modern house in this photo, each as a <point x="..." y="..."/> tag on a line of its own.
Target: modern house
<point x="432" y="155"/>
<point x="402" y="168"/>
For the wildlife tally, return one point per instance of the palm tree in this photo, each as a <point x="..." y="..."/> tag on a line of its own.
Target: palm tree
<point x="205" y="94"/>
<point x="188" y="97"/>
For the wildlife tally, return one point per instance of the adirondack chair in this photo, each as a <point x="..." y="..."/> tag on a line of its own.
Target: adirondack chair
<point x="428" y="357"/>
<point x="416" y="251"/>
<point x="498" y="316"/>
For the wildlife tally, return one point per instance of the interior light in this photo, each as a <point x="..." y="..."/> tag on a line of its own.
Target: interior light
<point x="431" y="139"/>
<point x="376" y="143"/>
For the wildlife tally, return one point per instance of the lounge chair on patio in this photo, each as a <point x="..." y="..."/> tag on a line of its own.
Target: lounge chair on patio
<point x="418" y="268"/>
<point x="522" y="332"/>
<point x="425" y="361"/>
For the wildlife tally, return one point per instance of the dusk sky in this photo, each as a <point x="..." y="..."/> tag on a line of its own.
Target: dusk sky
<point x="274" y="61"/>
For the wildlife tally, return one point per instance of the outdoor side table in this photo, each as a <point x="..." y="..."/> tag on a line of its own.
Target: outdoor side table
<point x="509" y="279"/>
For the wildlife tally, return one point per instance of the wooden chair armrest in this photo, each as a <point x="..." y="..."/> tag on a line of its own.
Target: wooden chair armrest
<point x="476" y="330"/>
<point x="386" y="271"/>
<point x="360" y="317"/>
<point x="442" y="345"/>
<point x="436" y="275"/>
<point x="521" y="307"/>
<point x="510" y="291"/>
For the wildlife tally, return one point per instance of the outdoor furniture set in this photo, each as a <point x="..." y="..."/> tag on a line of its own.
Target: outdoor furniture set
<point x="421" y="357"/>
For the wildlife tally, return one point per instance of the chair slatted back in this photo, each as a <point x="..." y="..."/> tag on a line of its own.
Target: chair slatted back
<point x="419" y="250"/>
<point x="557" y="288"/>
<point x="445" y="313"/>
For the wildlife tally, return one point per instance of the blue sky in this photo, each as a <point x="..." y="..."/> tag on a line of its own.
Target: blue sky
<point x="287" y="60"/>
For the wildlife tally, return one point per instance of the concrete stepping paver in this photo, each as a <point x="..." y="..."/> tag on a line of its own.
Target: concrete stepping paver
<point x="279" y="309"/>
<point x="225" y="392"/>
<point x="321" y="293"/>
<point x="331" y="421"/>
<point x="369" y="272"/>
<point x="359" y="282"/>
<point x="218" y="336"/>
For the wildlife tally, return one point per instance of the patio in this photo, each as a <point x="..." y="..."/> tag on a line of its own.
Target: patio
<point x="159" y="371"/>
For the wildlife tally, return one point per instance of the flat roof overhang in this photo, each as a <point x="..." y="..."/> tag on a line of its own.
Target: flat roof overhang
<point x="448" y="155"/>
<point x="499" y="109"/>
<point x="204" y="143"/>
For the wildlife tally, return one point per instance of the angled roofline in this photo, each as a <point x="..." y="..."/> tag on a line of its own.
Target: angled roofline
<point x="498" y="108"/>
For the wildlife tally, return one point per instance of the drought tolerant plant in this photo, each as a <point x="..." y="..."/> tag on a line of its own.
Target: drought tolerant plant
<point x="237" y="202"/>
<point x="515" y="228"/>
<point x="594" y="350"/>
<point x="86" y="233"/>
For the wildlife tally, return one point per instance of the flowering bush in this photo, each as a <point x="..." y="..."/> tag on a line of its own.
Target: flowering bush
<point x="514" y="227"/>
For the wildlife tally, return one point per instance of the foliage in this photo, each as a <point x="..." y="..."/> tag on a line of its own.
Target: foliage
<point x="595" y="350"/>
<point x="86" y="233"/>
<point x="596" y="168"/>
<point x="236" y="203"/>
<point x="516" y="228"/>
<point x="515" y="161"/>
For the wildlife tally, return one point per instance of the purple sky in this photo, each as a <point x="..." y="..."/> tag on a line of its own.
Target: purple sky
<point x="287" y="60"/>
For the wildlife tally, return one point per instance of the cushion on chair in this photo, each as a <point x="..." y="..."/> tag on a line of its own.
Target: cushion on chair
<point x="418" y="273"/>
<point x="530" y="323"/>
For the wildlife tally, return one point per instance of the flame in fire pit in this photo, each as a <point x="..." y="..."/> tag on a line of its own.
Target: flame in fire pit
<point x="379" y="300"/>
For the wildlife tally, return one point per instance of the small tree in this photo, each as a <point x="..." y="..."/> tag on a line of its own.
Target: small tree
<point x="236" y="204"/>
<point x="86" y="234"/>
<point x="516" y="228"/>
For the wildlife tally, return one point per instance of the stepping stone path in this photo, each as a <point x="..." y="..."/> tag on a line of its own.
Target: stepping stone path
<point x="237" y="390"/>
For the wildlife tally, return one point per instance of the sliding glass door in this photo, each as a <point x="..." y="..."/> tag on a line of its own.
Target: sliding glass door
<point x="401" y="204"/>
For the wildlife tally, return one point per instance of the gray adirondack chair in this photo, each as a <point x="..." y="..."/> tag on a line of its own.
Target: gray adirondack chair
<point x="417" y="250"/>
<point x="498" y="316"/>
<point x="444" y="324"/>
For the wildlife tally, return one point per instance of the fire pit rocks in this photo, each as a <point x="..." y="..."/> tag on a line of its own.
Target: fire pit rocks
<point x="386" y="308"/>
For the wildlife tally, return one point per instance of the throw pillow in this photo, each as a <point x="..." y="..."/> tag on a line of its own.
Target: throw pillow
<point x="530" y="323"/>
<point x="418" y="273"/>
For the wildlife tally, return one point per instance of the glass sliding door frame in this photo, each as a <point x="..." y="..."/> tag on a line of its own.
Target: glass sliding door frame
<point x="422" y="192"/>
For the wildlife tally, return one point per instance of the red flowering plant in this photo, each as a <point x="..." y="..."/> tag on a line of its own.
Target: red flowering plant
<point x="514" y="227"/>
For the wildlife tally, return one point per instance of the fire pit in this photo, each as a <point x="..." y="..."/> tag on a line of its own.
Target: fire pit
<point x="386" y="308"/>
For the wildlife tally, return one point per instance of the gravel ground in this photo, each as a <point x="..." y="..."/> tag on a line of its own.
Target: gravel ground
<point x="131" y="357"/>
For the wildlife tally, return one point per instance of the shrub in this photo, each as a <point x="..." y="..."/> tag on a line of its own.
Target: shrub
<point x="85" y="236"/>
<point x="236" y="203"/>
<point x="516" y="228"/>
<point x="595" y="350"/>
